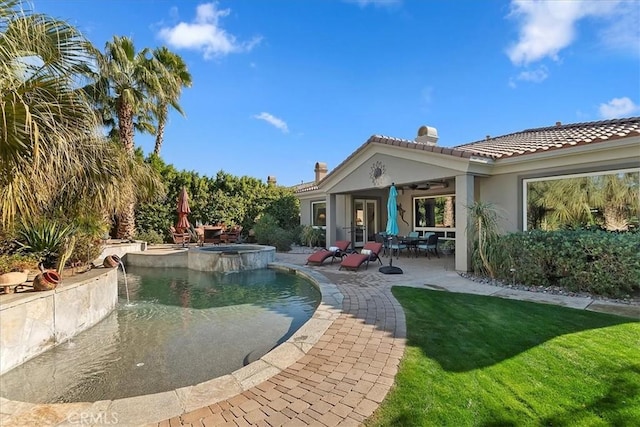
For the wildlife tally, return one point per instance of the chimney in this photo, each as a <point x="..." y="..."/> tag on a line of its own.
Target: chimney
<point x="558" y="124"/>
<point x="321" y="171"/>
<point x="427" y="135"/>
<point x="271" y="181"/>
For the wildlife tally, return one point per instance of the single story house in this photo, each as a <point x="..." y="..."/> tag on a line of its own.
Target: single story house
<point x="436" y="184"/>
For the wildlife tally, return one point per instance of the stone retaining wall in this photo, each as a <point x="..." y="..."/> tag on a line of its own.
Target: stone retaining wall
<point x="33" y="322"/>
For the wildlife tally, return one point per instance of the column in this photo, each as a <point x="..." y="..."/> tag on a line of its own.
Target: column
<point x="464" y="197"/>
<point x="331" y="228"/>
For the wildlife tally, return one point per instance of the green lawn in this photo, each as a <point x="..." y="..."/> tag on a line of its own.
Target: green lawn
<point x="482" y="361"/>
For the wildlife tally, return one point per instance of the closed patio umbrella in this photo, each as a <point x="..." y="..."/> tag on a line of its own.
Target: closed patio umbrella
<point x="183" y="209"/>
<point x="392" y="212"/>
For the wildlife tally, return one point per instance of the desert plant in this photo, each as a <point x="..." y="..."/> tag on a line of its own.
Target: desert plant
<point x="45" y="238"/>
<point x="483" y="226"/>
<point x="312" y="236"/>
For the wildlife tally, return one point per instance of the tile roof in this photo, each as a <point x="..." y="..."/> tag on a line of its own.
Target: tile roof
<point x="553" y="137"/>
<point x="515" y="144"/>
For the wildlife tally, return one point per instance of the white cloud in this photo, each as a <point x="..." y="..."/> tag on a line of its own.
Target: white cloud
<point x="538" y="75"/>
<point x="206" y="34"/>
<point x="623" y="31"/>
<point x="273" y="120"/>
<point x="547" y="27"/>
<point x="618" y="107"/>
<point x="377" y="3"/>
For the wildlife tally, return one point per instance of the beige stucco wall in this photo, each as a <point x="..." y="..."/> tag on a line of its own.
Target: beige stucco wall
<point x="397" y="170"/>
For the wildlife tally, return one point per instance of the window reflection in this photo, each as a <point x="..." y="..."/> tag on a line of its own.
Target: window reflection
<point x="434" y="211"/>
<point x="609" y="201"/>
<point x="319" y="214"/>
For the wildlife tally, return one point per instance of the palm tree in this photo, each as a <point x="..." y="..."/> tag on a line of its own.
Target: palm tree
<point x="53" y="160"/>
<point x="174" y="77"/>
<point x="126" y="83"/>
<point x="48" y="134"/>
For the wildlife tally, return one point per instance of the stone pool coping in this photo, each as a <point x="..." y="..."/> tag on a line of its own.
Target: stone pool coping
<point x="151" y="408"/>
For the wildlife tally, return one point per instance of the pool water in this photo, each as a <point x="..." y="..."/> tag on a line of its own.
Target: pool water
<point x="181" y="327"/>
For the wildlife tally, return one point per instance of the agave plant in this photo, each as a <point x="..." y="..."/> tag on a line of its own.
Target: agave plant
<point x="45" y="238"/>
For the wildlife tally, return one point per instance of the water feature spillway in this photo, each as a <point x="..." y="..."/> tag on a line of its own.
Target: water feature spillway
<point x="183" y="327"/>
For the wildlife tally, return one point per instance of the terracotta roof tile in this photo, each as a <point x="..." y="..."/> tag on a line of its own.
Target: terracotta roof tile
<point x="515" y="144"/>
<point x="553" y="137"/>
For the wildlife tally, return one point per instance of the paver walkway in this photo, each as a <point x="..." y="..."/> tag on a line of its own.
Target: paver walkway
<point x="341" y="380"/>
<point x="346" y="375"/>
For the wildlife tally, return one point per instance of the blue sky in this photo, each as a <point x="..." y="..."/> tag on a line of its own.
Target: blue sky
<point x="281" y="84"/>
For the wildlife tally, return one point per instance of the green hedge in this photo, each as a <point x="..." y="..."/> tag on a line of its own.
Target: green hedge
<point x="598" y="262"/>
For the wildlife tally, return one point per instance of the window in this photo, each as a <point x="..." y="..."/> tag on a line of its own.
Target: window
<point x="435" y="214"/>
<point x="608" y="200"/>
<point x="319" y="214"/>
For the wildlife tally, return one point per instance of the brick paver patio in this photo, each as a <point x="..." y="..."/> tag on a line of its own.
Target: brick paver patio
<point x="341" y="380"/>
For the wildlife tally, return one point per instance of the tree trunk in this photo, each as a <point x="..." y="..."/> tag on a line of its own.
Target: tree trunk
<point x="125" y="126"/>
<point x="127" y="220"/>
<point x="448" y="212"/>
<point x="127" y="223"/>
<point x="162" y="120"/>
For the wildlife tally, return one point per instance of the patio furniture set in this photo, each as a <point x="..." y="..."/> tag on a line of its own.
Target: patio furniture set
<point x="215" y="234"/>
<point x="372" y="251"/>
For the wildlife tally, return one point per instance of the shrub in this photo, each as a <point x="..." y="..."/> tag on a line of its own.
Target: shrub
<point x="312" y="236"/>
<point x="150" y="236"/>
<point x="18" y="262"/>
<point x="267" y="232"/>
<point x="598" y="262"/>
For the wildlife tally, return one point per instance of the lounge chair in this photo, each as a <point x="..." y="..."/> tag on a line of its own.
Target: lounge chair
<point x="179" y="238"/>
<point x="339" y="250"/>
<point x="370" y="252"/>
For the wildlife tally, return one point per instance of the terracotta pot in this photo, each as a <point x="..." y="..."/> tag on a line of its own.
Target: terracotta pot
<point x="46" y="281"/>
<point x="111" y="261"/>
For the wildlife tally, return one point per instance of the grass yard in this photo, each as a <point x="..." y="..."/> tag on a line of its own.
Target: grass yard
<point x="481" y="361"/>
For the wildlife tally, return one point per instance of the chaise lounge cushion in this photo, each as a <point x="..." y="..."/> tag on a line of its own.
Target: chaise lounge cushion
<point x="370" y="252"/>
<point x="338" y="250"/>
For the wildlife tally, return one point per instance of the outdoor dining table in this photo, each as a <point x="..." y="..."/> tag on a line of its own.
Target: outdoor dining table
<point x="412" y="243"/>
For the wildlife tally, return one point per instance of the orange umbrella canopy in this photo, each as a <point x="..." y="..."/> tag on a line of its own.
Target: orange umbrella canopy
<point x="183" y="210"/>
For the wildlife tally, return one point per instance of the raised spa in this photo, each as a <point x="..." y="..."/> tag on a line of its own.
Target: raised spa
<point x="182" y="327"/>
<point x="220" y="258"/>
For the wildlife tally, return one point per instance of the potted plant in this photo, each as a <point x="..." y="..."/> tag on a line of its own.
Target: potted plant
<point x="447" y="247"/>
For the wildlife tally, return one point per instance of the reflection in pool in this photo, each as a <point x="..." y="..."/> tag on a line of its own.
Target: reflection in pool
<point x="182" y="327"/>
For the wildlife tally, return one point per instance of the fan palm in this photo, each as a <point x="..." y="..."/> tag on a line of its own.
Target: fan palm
<point x="174" y="76"/>
<point x="126" y="82"/>
<point x="47" y="132"/>
<point x="51" y="154"/>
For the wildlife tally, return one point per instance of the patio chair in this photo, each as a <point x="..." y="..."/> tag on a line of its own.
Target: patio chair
<point x="197" y="234"/>
<point x="431" y="246"/>
<point x="339" y="250"/>
<point x="384" y="239"/>
<point x="179" y="238"/>
<point x="396" y="245"/>
<point x="232" y="235"/>
<point x="370" y="252"/>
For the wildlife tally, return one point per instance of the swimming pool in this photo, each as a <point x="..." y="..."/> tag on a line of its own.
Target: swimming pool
<point x="182" y="327"/>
